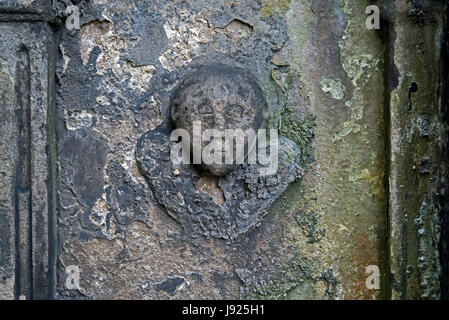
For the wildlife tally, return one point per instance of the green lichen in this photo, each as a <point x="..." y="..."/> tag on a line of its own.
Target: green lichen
<point x="296" y="271"/>
<point x="299" y="129"/>
<point x="289" y="119"/>
<point x="334" y="87"/>
<point x="359" y="63"/>
<point x="302" y="287"/>
<point x="310" y="223"/>
<point x="428" y="226"/>
<point x="269" y="7"/>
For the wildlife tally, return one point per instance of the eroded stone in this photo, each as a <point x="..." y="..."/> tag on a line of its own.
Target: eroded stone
<point x="218" y="97"/>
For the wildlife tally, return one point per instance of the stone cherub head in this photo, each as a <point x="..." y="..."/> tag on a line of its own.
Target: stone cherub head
<point x="219" y="97"/>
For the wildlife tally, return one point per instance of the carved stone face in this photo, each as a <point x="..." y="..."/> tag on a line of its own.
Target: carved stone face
<point x="220" y="98"/>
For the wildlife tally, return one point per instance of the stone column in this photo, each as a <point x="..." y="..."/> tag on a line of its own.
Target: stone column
<point x="27" y="147"/>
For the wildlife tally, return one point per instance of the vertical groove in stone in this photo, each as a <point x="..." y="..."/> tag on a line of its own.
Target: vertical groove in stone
<point x="7" y="176"/>
<point x="387" y="34"/>
<point x="52" y="192"/>
<point x="23" y="194"/>
<point x="397" y="246"/>
<point x="414" y="102"/>
<point x="444" y="195"/>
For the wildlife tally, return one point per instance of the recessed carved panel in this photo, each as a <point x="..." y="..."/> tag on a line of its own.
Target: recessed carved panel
<point x="219" y="200"/>
<point x="25" y="96"/>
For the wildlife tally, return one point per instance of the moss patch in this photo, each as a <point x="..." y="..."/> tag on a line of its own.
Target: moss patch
<point x="299" y="129"/>
<point x="310" y="222"/>
<point x="269" y="7"/>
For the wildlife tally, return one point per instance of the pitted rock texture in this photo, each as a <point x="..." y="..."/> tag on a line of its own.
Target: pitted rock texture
<point x="376" y="150"/>
<point x="220" y="98"/>
<point x="247" y="193"/>
<point x="115" y="79"/>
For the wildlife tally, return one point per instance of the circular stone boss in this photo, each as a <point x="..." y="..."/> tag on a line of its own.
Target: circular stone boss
<point x="219" y="97"/>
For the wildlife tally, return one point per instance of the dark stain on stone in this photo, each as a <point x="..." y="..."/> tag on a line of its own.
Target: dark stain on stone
<point x="170" y="285"/>
<point x="412" y="89"/>
<point x="424" y="166"/>
<point x="153" y="42"/>
<point x="83" y="156"/>
<point x="417" y="13"/>
<point x="393" y="76"/>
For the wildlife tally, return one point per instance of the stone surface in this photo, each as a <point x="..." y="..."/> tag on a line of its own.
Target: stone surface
<point x="414" y="82"/>
<point x="219" y="97"/>
<point x="26" y="211"/>
<point x="247" y="193"/>
<point x="87" y="188"/>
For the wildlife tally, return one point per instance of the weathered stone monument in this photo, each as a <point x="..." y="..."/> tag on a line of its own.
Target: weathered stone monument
<point x="92" y="205"/>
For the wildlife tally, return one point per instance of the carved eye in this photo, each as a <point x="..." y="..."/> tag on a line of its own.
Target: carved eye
<point x="234" y="110"/>
<point x="205" y="109"/>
